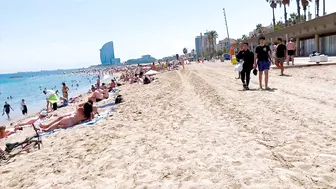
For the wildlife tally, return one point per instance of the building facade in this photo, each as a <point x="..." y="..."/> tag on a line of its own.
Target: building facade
<point x="318" y="34"/>
<point x="143" y="59"/>
<point x="202" y="44"/>
<point x="107" y="54"/>
<point x="222" y="44"/>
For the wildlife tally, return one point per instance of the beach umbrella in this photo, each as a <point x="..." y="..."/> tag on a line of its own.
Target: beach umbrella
<point x="151" y="72"/>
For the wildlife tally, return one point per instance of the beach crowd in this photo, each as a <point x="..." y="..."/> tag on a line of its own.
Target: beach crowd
<point x="103" y="89"/>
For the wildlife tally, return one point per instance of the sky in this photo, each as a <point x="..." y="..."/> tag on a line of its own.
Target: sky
<point x="61" y="34"/>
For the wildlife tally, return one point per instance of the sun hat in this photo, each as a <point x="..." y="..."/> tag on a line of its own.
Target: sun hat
<point x="43" y="113"/>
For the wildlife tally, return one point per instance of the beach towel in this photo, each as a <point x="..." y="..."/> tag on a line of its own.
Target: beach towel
<point x="85" y="123"/>
<point x="107" y="105"/>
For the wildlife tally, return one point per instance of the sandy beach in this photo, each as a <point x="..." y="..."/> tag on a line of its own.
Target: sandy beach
<point x="197" y="128"/>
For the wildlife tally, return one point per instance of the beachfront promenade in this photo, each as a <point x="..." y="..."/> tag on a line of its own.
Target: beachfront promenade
<point x="197" y="128"/>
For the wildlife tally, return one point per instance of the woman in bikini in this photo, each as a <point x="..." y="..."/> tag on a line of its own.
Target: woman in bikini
<point x="84" y="112"/>
<point x="65" y="90"/>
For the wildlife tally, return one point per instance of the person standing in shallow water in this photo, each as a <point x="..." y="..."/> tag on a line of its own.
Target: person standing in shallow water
<point x="24" y="108"/>
<point x="65" y="90"/>
<point x="7" y="109"/>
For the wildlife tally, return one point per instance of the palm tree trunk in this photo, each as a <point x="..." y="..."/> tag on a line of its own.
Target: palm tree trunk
<point x="273" y="19"/>
<point x="298" y="10"/>
<point x="305" y="13"/>
<point x="317" y="3"/>
<point x="285" y="14"/>
<point x="324" y="12"/>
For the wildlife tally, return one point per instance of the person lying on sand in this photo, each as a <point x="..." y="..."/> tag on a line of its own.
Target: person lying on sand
<point x="6" y="133"/>
<point x="84" y="112"/>
<point x="43" y="114"/>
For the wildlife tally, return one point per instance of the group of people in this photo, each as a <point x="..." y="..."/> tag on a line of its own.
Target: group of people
<point x="7" y="108"/>
<point x="262" y="59"/>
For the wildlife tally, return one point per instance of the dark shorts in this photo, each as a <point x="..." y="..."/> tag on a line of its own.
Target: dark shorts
<point x="98" y="99"/>
<point x="291" y="53"/>
<point x="280" y="59"/>
<point x="263" y="65"/>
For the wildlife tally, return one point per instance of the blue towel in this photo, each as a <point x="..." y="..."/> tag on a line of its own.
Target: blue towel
<point x="107" y="105"/>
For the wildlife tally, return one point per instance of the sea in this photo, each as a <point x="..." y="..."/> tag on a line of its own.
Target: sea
<point x="30" y="86"/>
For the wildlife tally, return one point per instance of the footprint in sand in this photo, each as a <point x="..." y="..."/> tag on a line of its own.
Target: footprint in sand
<point x="236" y="163"/>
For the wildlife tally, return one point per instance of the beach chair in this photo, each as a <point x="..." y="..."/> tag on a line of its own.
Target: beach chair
<point x="35" y="140"/>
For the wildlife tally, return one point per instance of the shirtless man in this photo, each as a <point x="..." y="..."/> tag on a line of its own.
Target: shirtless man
<point x="7" y="109"/>
<point x="290" y="51"/>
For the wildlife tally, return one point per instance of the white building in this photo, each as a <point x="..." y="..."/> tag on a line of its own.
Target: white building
<point x="222" y="43"/>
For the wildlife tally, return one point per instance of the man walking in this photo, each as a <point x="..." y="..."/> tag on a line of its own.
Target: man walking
<point x="248" y="58"/>
<point x="262" y="59"/>
<point x="291" y="51"/>
<point x="280" y="55"/>
<point x="7" y="109"/>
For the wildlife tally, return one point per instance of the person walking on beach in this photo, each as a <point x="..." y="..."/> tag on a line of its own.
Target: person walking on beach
<point x="7" y="108"/>
<point x="65" y="90"/>
<point x="291" y="51"/>
<point x="262" y="60"/>
<point x="280" y="55"/>
<point x="248" y="57"/>
<point x="24" y="108"/>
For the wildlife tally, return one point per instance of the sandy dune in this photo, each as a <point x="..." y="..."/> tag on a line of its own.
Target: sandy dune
<point x="196" y="128"/>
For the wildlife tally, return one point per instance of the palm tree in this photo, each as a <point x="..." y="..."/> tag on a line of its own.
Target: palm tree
<point x="285" y="3"/>
<point x="305" y="4"/>
<point x="273" y="5"/>
<point x="213" y="35"/>
<point x="185" y="51"/>
<point x="317" y="3"/>
<point x="298" y="10"/>
<point x="244" y="37"/>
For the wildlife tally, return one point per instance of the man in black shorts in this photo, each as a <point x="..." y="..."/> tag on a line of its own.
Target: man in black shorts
<point x="262" y="59"/>
<point x="6" y="109"/>
<point x="280" y="55"/>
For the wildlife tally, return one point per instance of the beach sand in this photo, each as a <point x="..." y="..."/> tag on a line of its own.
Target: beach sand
<point x="196" y="128"/>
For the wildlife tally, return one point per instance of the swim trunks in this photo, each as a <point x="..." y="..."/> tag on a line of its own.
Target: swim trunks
<point x="280" y="59"/>
<point x="290" y="52"/>
<point x="263" y="65"/>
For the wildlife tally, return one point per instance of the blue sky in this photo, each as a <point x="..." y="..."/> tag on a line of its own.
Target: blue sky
<point x="51" y="34"/>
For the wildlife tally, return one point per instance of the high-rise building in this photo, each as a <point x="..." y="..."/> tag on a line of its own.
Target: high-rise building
<point x="198" y="45"/>
<point x="202" y="44"/>
<point x="107" y="54"/>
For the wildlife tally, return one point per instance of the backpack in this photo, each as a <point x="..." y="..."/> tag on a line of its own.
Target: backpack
<point x="118" y="100"/>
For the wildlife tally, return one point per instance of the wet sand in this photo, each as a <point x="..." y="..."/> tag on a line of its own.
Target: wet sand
<point x="196" y="128"/>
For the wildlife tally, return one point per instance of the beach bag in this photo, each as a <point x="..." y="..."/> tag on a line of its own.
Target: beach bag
<point x="147" y="80"/>
<point x="239" y="67"/>
<point x="118" y="100"/>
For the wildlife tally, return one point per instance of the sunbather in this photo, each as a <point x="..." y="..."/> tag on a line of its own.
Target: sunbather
<point x="83" y="112"/>
<point x="43" y="114"/>
<point x="6" y="133"/>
